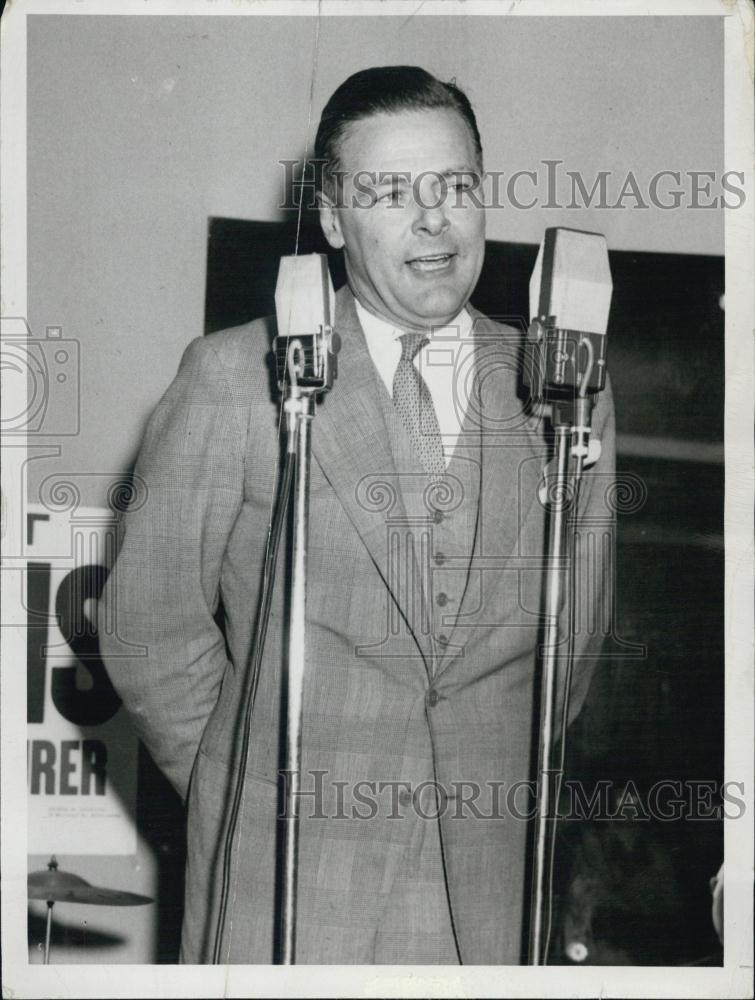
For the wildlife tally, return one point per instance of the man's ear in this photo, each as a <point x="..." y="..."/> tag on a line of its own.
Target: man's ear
<point x="330" y="221"/>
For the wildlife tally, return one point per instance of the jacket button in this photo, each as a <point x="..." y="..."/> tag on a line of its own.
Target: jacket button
<point x="439" y="558"/>
<point x="433" y="698"/>
<point x="442" y="599"/>
<point x="437" y="516"/>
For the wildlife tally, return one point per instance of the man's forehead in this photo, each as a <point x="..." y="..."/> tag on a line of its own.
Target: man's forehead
<point x="436" y="139"/>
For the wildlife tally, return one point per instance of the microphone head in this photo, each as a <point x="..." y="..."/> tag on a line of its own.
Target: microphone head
<point x="304" y="297"/>
<point x="572" y="280"/>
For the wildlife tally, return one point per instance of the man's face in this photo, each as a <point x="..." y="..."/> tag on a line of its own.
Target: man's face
<point x="413" y="236"/>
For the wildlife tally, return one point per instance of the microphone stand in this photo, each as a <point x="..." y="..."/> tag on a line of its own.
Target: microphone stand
<point x="306" y="366"/>
<point x="299" y="408"/>
<point x="571" y="412"/>
<point x="299" y="405"/>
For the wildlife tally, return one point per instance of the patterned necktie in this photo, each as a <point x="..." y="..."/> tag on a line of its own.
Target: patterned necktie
<point x="414" y="404"/>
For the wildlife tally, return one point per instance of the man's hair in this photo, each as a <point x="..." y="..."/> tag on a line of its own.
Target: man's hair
<point x="387" y="89"/>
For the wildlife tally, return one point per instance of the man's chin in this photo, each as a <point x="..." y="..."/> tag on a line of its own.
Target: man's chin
<point x="437" y="309"/>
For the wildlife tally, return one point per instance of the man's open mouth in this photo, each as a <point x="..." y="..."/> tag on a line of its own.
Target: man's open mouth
<point x="431" y="262"/>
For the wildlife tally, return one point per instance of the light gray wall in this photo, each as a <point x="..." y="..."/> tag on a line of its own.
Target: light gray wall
<point x="139" y="129"/>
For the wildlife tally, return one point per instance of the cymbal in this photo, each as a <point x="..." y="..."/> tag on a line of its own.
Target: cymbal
<point x="63" y="887"/>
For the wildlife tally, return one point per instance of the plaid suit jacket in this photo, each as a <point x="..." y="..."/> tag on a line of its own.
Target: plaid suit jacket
<point x="384" y="711"/>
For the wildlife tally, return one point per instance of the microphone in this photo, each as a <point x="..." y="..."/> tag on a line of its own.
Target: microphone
<point x="306" y="346"/>
<point x="565" y="351"/>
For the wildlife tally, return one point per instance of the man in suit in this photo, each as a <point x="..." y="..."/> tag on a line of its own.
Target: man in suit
<point x="425" y="575"/>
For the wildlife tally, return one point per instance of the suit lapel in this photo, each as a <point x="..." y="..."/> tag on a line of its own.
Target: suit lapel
<point x="511" y="456"/>
<point x="513" y="451"/>
<point x="350" y="442"/>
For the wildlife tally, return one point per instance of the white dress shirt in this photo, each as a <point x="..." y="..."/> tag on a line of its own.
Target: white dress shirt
<point x="444" y="363"/>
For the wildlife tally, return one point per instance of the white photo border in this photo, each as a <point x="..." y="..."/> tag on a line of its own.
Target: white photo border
<point x="734" y="979"/>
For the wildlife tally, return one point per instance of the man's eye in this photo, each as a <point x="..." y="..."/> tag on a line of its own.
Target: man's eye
<point x="391" y="197"/>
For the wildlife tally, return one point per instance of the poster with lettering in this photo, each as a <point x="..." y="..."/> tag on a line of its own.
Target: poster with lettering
<point x="81" y="751"/>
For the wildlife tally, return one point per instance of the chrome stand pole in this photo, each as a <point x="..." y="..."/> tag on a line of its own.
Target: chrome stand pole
<point x="300" y="412"/>
<point x="547" y="795"/>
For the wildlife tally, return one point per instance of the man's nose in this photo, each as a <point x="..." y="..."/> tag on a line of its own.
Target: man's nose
<point x="431" y="219"/>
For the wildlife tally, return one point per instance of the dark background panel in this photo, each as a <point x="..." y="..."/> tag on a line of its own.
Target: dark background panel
<point x="666" y="331"/>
